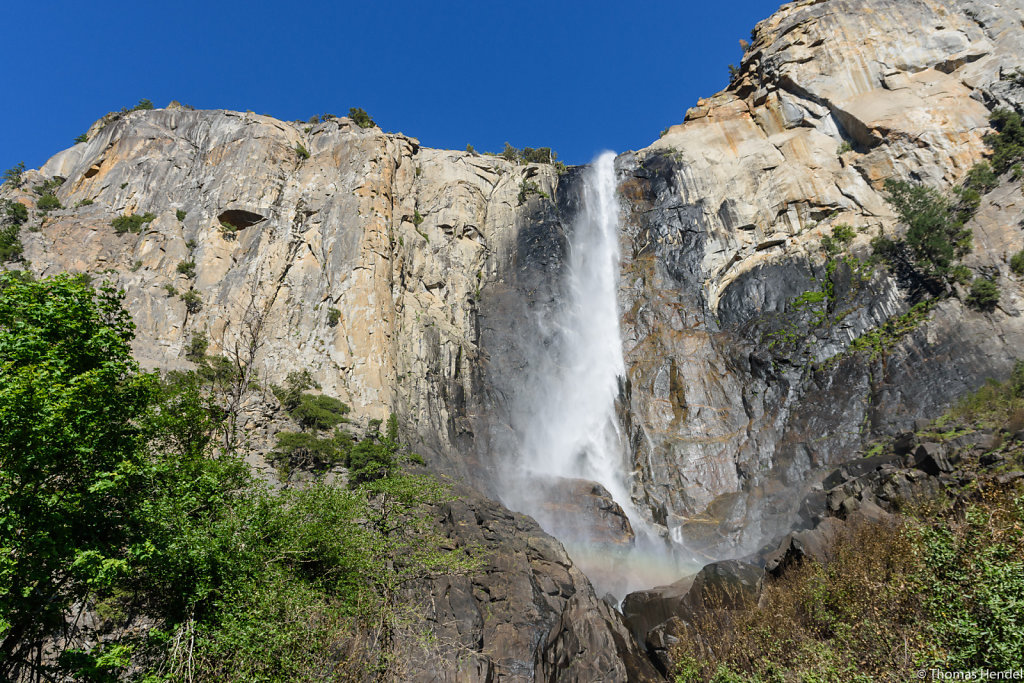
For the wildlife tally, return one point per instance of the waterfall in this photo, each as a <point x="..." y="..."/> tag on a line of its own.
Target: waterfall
<point x="575" y="431"/>
<point x="565" y="412"/>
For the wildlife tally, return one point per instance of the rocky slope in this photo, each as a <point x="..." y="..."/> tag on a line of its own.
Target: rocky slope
<point x="414" y="280"/>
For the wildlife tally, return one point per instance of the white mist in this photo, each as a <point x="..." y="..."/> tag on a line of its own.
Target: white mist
<point x="565" y="414"/>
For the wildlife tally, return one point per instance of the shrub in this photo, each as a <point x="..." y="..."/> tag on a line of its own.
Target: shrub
<point x="135" y="266"/>
<point x="541" y="155"/>
<point x="734" y="72"/>
<point x="84" y="137"/>
<point x="1017" y="263"/>
<point x="193" y="301"/>
<point x="935" y="236"/>
<point x="417" y="219"/>
<point x="84" y="202"/>
<point x="333" y="316"/>
<point x="180" y="214"/>
<point x="844" y="147"/>
<point x="961" y="274"/>
<point x="1007" y="142"/>
<point x="982" y="178"/>
<point x="131" y="223"/>
<point x="319" y="412"/>
<point x="984" y="294"/>
<point x="197" y="345"/>
<point x="143" y="105"/>
<point x="469" y="148"/>
<point x="10" y="244"/>
<point x="171" y="290"/>
<point x="295" y="383"/>
<point x="528" y="187"/>
<point x="228" y="231"/>
<point x="301" y="151"/>
<point x="187" y="268"/>
<point x="14" y="212"/>
<point x="510" y="153"/>
<point x="48" y="203"/>
<point x="360" y="118"/>
<point x="190" y="244"/>
<point x="13" y="175"/>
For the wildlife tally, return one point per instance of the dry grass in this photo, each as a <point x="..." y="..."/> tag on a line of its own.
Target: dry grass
<point x="890" y="599"/>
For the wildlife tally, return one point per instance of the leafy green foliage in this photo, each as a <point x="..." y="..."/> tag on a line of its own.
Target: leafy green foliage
<point x="193" y="301"/>
<point x="14" y="212"/>
<point x="842" y="236"/>
<point x="1017" y="263"/>
<point x="187" y="268"/>
<point x="982" y="178"/>
<point x="333" y="316"/>
<point x="528" y="187"/>
<point x="143" y="105"/>
<point x="13" y="175"/>
<point x="984" y="294"/>
<point x="941" y="591"/>
<point x="70" y="395"/>
<point x="301" y="150"/>
<point x="48" y="186"/>
<point x="295" y="383"/>
<point x="10" y="243"/>
<point x="316" y="411"/>
<point x="48" y="203"/>
<point x="197" y="346"/>
<point x="935" y="234"/>
<point x="84" y="137"/>
<point x="530" y="155"/>
<point x="469" y="148"/>
<point x="360" y="117"/>
<point x="132" y="223"/>
<point x="1007" y="142"/>
<point x="83" y="202"/>
<point x="111" y="494"/>
<point x="180" y="214"/>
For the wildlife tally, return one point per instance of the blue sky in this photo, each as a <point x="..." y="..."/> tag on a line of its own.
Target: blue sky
<point x="579" y="77"/>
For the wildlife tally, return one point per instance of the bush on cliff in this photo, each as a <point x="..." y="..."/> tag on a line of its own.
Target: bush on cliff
<point x="984" y="295"/>
<point x="935" y="235"/>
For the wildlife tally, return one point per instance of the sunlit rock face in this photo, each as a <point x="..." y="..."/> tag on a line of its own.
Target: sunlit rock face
<point x="418" y="281"/>
<point x="724" y="219"/>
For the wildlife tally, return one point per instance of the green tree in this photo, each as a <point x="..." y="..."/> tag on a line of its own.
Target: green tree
<point x="13" y="175"/>
<point x="1007" y="142"/>
<point x="935" y="235"/>
<point x="360" y="117"/>
<point x="70" y="455"/>
<point x="984" y="294"/>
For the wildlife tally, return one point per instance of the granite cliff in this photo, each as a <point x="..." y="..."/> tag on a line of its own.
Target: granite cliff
<point x="411" y="280"/>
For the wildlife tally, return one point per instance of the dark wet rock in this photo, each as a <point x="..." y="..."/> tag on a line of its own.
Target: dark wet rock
<point x="660" y="641"/>
<point x="491" y="624"/>
<point x="1010" y="477"/>
<point x="591" y="644"/>
<point x="583" y="510"/>
<point x="931" y="458"/>
<point x="643" y="610"/>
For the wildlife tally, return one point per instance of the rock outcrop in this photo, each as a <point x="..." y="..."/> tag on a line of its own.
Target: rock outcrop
<point x="411" y="280"/>
<point x="736" y="395"/>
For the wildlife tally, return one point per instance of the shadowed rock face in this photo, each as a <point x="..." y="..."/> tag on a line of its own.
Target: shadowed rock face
<point x="436" y="273"/>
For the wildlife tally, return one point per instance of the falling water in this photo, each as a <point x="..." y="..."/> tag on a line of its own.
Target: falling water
<point x="575" y="433"/>
<point x="569" y="429"/>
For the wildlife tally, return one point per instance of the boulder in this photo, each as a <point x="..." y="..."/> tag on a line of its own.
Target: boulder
<point x="590" y="644"/>
<point x="931" y="459"/>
